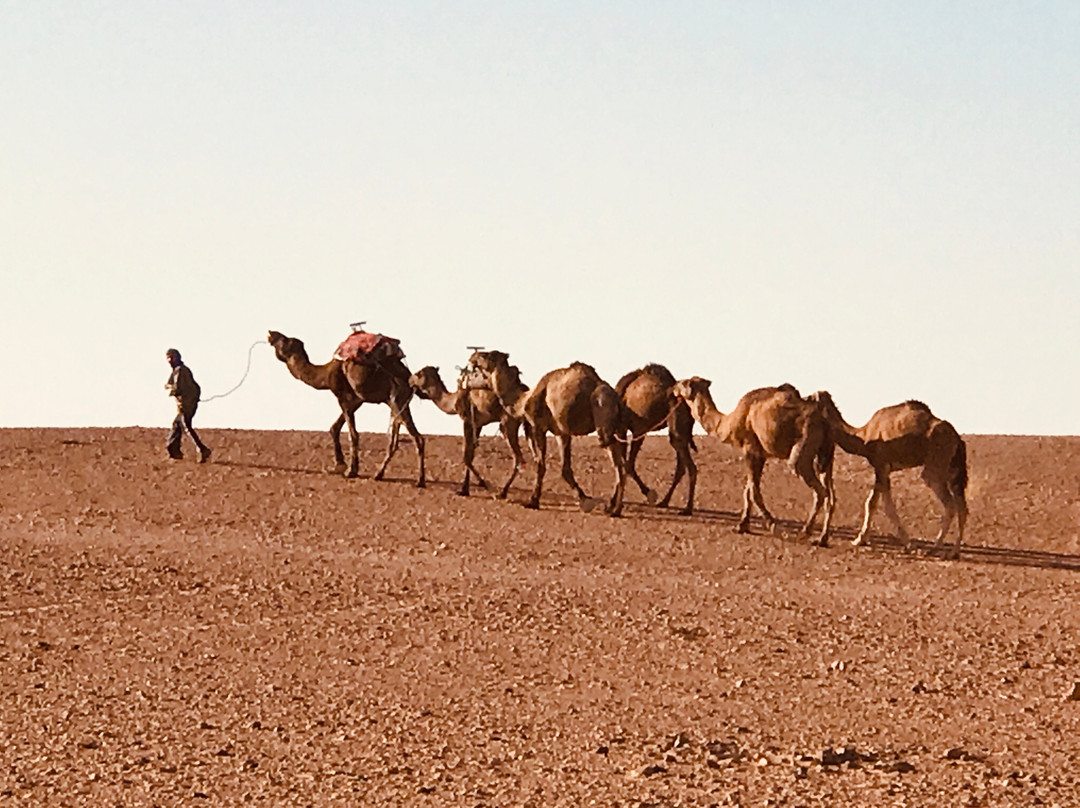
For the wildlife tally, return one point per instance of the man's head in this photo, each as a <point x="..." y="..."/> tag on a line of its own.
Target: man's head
<point x="173" y="356"/>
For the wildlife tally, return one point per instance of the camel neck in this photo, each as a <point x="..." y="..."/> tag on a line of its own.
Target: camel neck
<point x="443" y="398"/>
<point x="317" y="376"/>
<point x="849" y="438"/>
<point x="711" y="419"/>
<point x="510" y="392"/>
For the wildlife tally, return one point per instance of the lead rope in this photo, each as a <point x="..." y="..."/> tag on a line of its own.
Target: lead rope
<point x="242" y="378"/>
<point x="659" y="425"/>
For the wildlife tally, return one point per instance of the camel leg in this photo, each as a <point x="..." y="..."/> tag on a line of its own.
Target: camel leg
<point x="636" y="442"/>
<point x="684" y="464"/>
<point x="467" y="439"/>
<point x="826" y="478"/>
<point x="882" y="490"/>
<point x="418" y="439"/>
<point x="889" y="506"/>
<point x="565" y="442"/>
<point x="509" y="428"/>
<point x="335" y="436"/>
<point x="476" y="443"/>
<point x="406" y="418"/>
<point x="803" y="465"/>
<point x="354" y="443"/>
<point x="470" y="439"/>
<point x="538" y="441"/>
<point x="680" y="435"/>
<point x="951" y="505"/>
<point x="618" y="460"/>
<point x="752" y="494"/>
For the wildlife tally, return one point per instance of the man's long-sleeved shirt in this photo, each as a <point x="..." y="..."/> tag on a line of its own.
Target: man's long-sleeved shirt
<point x="183" y="386"/>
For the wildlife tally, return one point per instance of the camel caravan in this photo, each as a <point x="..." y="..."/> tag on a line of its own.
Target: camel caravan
<point x="769" y="422"/>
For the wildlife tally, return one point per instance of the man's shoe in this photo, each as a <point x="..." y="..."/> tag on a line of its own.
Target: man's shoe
<point x="204" y="455"/>
<point x="176" y="454"/>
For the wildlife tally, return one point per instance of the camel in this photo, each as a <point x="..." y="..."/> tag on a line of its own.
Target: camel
<point x="650" y="405"/>
<point x="771" y="422"/>
<point x="566" y="402"/>
<point x="353" y="384"/>
<point x="477" y="408"/>
<point x="907" y="436"/>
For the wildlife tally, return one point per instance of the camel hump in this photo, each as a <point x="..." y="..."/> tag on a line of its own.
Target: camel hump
<point x="582" y="367"/>
<point x="915" y="404"/>
<point x="661" y="374"/>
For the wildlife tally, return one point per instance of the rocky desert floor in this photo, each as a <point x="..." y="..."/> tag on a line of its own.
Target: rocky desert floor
<point x="258" y="631"/>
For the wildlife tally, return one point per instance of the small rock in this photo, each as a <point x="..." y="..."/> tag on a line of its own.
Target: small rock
<point x="1074" y="694"/>
<point x="680" y="741"/>
<point x="649" y="771"/>
<point x="833" y="757"/>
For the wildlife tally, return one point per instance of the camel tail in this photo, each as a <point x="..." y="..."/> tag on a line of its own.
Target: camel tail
<point x="958" y="470"/>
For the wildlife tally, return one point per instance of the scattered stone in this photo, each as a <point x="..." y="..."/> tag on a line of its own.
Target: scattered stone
<point x="649" y="771"/>
<point x="957" y="753"/>
<point x="833" y="757"/>
<point x="680" y="741"/>
<point x="1074" y="694"/>
<point x="724" y="750"/>
<point x="900" y="766"/>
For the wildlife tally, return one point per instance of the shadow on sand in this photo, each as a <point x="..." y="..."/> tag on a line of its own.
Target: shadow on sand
<point x="566" y="503"/>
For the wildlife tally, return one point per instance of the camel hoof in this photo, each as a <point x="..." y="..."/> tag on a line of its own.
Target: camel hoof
<point x="463" y="492"/>
<point x="858" y="541"/>
<point x="651" y="497"/>
<point x="687" y="511"/>
<point x="742" y="527"/>
<point x="338" y="469"/>
<point x="590" y="504"/>
<point x="421" y="484"/>
<point x="352" y="474"/>
<point x="532" y="505"/>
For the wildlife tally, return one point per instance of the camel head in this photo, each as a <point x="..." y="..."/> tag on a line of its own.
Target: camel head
<point x="487" y="361"/>
<point x="825" y="400"/>
<point x="689" y="389"/>
<point x="426" y="381"/>
<point x="285" y="347"/>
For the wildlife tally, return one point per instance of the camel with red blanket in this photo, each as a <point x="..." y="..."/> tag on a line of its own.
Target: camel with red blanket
<point x="366" y="368"/>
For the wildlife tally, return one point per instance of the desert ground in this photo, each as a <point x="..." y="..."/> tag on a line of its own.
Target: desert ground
<point x="257" y="631"/>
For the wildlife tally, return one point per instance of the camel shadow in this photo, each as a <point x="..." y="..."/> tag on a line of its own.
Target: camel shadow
<point x="921" y="550"/>
<point x="271" y="467"/>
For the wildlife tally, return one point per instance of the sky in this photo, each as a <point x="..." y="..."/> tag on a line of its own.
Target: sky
<point x="877" y="199"/>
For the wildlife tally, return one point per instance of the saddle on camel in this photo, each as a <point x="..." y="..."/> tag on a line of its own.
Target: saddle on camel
<point x="366" y="348"/>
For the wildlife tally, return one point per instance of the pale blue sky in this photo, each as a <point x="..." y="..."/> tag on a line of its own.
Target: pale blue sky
<point x="877" y="199"/>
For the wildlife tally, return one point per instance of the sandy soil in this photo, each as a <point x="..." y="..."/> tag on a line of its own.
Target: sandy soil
<point x="257" y="631"/>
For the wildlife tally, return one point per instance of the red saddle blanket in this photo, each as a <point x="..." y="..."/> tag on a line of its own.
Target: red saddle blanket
<point x="363" y="346"/>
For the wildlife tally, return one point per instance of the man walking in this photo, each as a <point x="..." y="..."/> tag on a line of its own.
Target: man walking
<point x="183" y="387"/>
